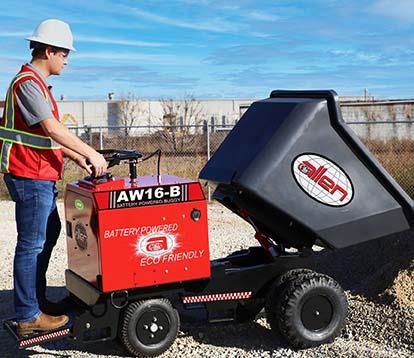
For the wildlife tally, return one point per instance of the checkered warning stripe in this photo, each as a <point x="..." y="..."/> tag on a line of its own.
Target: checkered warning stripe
<point x="230" y="296"/>
<point x="45" y="337"/>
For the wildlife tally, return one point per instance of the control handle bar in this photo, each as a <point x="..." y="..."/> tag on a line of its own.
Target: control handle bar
<point x="115" y="157"/>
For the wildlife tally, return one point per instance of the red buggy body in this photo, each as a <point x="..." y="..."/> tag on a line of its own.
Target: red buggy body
<point x="166" y="240"/>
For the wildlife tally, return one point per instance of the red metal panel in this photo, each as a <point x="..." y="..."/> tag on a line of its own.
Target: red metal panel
<point x="137" y="236"/>
<point x="195" y="191"/>
<point x="153" y="245"/>
<point x="102" y="200"/>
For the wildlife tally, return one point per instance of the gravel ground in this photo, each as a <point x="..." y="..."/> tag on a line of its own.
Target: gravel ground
<point x="377" y="277"/>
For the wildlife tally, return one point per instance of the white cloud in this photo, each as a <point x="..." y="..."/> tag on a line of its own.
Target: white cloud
<point x="399" y="9"/>
<point x="212" y="25"/>
<point x="20" y="34"/>
<point x="106" y="40"/>
<point x="94" y="39"/>
<point x="263" y="16"/>
<point x="136" y="57"/>
<point x="262" y="35"/>
<point x="356" y="55"/>
<point x="213" y="4"/>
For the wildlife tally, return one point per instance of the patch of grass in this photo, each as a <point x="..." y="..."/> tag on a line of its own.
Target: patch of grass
<point x="400" y="166"/>
<point x="396" y="156"/>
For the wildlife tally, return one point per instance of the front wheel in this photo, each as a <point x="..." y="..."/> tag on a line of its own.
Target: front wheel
<point x="149" y="328"/>
<point x="311" y="310"/>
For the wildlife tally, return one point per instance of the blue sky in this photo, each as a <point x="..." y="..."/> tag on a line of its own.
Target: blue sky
<point x="224" y="49"/>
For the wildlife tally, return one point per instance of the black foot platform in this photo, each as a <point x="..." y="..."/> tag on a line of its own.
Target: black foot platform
<point x="37" y="337"/>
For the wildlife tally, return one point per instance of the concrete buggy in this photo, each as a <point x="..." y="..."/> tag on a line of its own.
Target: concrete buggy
<point x="138" y="249"/>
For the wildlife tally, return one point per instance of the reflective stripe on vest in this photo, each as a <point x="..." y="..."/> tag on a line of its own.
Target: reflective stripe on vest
<point x="30" y="140"/>
<point x="11" y="136"/>
<point x="5" y="157"/>
<point x="9" y="109"/>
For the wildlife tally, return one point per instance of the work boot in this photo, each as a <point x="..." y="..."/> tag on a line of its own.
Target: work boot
<point x="54" y="308"/>
<point x="42" y="323"/>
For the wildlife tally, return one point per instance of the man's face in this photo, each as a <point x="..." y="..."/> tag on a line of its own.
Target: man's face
<point x="58" y="60"/>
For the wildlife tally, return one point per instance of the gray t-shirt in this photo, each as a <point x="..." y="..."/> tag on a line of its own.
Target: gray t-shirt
<point x="32" y="103"/>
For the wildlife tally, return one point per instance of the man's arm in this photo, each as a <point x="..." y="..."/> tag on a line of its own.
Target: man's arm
<point x="77" y="158"/>
<point x="36" y="110"/>
<point x="67" y="139"/>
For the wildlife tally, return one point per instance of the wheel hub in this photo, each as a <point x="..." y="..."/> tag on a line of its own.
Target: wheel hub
<point x="152" y="327"/>
<point x="317" y="313"/>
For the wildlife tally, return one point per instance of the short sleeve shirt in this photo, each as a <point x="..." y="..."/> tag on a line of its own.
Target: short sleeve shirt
<point x="32" y="103"/>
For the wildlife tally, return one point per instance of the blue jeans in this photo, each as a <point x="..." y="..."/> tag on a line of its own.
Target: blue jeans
<point x="38" y="228"/>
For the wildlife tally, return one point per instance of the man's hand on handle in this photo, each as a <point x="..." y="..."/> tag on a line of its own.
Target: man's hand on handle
<point x="72" y="146"/>
<point x="83" y="163"/>
<point x="95" y="164"/>
<point x="98" y="163"/>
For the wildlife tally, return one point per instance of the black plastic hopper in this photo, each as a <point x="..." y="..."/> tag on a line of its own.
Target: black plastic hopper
<point x="293" y="168"/>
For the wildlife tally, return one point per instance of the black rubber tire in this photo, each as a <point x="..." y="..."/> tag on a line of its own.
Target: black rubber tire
<point x="291" y="274"/>
<point x="134" y="337"/>
<point x="312" y="310"/>
<point x="273" y="296"/>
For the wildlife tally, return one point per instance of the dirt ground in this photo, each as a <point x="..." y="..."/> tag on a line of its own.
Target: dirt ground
<point x="378" y="277"/>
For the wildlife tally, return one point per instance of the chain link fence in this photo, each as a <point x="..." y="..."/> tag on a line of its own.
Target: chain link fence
<point x="392" y="144"/>
<point x="186" y="148"/>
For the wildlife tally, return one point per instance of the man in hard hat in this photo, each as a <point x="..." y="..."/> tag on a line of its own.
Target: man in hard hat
<point x="33" y="142"/>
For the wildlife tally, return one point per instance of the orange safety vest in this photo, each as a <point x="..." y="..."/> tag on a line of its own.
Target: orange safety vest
<point x="27" y="151"/>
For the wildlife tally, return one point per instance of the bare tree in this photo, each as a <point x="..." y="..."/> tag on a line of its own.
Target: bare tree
<point x="130" y="108"/>
<point x="179" y="118"/>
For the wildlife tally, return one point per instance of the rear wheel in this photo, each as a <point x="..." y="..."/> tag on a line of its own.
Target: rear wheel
<point x="292" y="274"/>
<point x="311" y="310"/>
<point x="149" y="328"/>
<point x="272" y="315"/>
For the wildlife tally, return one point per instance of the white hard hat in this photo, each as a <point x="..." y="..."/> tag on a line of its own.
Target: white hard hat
<point x="54" y="33"/>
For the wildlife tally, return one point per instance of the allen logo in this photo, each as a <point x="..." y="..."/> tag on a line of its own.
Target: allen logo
<point x="317" y="175"/>
<point x="322" y="179"/>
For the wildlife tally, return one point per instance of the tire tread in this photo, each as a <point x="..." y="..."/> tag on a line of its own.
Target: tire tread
<point x="124" y="331"/>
